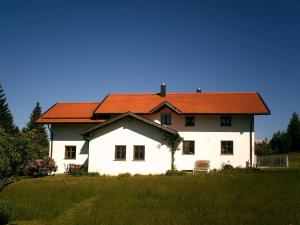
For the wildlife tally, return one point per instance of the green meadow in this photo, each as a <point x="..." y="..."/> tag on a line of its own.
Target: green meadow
<point x="232" y="197"/>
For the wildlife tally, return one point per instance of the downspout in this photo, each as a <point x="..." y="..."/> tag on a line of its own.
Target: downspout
<point x="87" y="139"/>
<point x="251" y="146"/>
<point x="51" y="139"/>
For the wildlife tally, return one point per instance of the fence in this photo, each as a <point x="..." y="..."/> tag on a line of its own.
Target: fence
<point x="280" y="160"/>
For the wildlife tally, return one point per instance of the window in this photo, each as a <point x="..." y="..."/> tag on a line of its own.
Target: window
<point x="139" y="152"/>
<point x="189" y="121"/>
<point x="188" y="147"/>
<point x="120" y="152"/>
<point x="165" y="118"/>
<point x="227" y="147"/>
<point x="225" y="121"/>
<point x="70" y="152"/>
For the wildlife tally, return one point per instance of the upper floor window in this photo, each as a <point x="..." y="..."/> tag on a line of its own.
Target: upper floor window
<point x="165" y="118"/>
<point x="227" y="147"/>
<point x="120" y="152"/>
<point x="225" y="121"/>
<point x="189" y="121"/>
<point x="70" y="152"/>
<point x="139" y="152"/>
<point x="188" y="147"/>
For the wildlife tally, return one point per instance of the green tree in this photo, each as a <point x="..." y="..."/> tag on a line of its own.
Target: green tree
<point x="263" y="148"/>
<point x="41" y="137"/>
<point x="6" y="118"/>
<point x="293" y="133"/>
<point x="279" y="142"/>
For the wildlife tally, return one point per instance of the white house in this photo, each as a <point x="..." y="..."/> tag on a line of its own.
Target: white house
<point x="131" y="132"/>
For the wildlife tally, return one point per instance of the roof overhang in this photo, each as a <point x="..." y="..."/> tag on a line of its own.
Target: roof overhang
<point x="131" y="115"/>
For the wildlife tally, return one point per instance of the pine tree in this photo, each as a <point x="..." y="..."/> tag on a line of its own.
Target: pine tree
<point x="40" y="131"/>
<point x="6" y="118"/>
<point x="293" y="133"/>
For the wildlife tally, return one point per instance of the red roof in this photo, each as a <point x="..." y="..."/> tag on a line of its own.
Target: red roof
<point x="200" y="103"/>
<point x="79" y="112"/>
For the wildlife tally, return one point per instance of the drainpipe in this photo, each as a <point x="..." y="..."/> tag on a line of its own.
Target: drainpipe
<point x="87" y="139"/>
<point x="51" y="139"/>
<point x="251" y="147"/>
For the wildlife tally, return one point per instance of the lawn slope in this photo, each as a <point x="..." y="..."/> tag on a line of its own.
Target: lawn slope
<point x="268" y="197"/>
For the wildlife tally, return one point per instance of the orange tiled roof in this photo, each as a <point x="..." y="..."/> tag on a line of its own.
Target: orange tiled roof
<point x="201" y="103"/>
<point x="80" y="112"/>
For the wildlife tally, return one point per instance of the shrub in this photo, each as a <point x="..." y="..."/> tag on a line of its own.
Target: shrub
<point x="79" y="172"/>
<point x="41" y="167"/>
<point x="93" y="174"/>
<point x="4" y="218"/>
<point x="226" y="167"/>
<point x="124" y="175"/>
<point x="175" y="173"/>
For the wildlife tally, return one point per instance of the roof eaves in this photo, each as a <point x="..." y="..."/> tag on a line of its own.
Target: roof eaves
<point x="84" y="132"/>
<point x="164" y="103"/>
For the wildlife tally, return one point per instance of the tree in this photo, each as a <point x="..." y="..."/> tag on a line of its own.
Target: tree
<point x="173" y="142"/>
<point x="279" y="142"/>
<point x="293" y="133"/>
<point x="6" y="118"/>
<point x="41" y="137"/>
<point x="263" y="148"/>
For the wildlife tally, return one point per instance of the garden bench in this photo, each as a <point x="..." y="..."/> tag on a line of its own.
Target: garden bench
<point x="201" y="166"/>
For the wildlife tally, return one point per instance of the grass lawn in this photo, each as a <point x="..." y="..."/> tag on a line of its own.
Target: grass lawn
<point x="266" y="197"/>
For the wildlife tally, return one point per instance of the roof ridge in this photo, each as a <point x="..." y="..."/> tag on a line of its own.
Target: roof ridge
<point x="176" y="93"/>
<point x="78" y="102"/>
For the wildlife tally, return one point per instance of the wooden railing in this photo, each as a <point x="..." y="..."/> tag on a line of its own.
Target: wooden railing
<point x="279" y="160"/>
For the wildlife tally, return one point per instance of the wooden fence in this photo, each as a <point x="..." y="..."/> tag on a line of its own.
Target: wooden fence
<point x="279" y="160"/>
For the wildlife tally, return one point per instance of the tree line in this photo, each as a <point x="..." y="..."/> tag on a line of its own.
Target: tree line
<point x="282" y="141"/>
<point x="20" y="147"/>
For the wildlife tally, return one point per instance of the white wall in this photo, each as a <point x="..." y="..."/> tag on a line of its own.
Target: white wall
<point x="208" y="134"/>
<point x="129" y="133"/>
<point x="68" y="134"/>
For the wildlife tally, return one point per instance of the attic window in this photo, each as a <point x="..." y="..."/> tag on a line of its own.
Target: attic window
<point x="165" y="118"/>
<point x="225" y="121"/>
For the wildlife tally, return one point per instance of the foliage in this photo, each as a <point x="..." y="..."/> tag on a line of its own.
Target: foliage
<point x="200" y="198"/>
<point x="78" y="172"/>
<point x="41" y="137"/>
<point x="10" y="156"/>
<point x="279" y="142"/>
<point x="173" y="142"/>
<point x="4" y="217"/>
<point x="124" y="175"/>
<point x="293" y="133"/>
<point x="175" y="173"/>
<point x="41" y="167"/>
<point x="6" y="118"/>
<point x="226" y="167"/>
<point x="263" y="148"/>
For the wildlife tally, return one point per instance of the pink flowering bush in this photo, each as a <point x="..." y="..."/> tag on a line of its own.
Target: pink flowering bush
<point x="41" y="167"/>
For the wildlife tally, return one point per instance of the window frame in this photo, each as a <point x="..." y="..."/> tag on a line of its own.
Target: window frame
<point x="69" y="151"/>
<point x="232" y="147"/>
<point x="183" y="147"/>
<point x="192" y="124"/>
<point x="121" y="154"/>
<point x="134" y="152"/>
<point x="226" y="121"/>
<point x="164" y="118"/>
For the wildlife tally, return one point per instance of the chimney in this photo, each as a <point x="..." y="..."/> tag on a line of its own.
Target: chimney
<point x="198" y="90"/>
<point x="163" y="90"/>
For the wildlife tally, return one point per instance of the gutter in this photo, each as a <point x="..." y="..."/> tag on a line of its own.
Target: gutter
<point x="51" y="139"/>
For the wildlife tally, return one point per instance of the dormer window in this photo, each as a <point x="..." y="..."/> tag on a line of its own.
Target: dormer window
<point x="165" y="119"/>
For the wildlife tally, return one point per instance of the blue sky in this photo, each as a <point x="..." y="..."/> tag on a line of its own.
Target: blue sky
<point x="53" y="51"/>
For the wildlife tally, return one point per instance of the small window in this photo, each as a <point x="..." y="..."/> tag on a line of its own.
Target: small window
<point x="139" y="152"/>
<point x="70" y="152"/>
<point x="120" y="152"/>
<point x="225" y="121"/>
<point x="188" y="147"/>
<point x="227" y="147"/>
<point x="189" y="121"/>
<point x="165" y="118"/>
